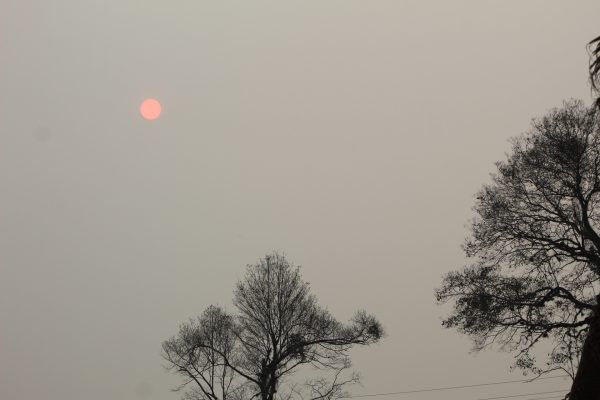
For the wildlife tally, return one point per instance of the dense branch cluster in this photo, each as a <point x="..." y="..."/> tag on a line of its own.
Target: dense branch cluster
<point x="535" y="244"/>
<point x="594" y="72"/>
<point x="279" y="327"/>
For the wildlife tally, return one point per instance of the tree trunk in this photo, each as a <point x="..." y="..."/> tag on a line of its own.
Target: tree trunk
<point x="586" y="385"/>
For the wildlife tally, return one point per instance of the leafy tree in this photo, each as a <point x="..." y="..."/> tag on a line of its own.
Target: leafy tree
<point x="279" y="328"/>
<point x="535" y="245"/>
<point x="586" y="384"/>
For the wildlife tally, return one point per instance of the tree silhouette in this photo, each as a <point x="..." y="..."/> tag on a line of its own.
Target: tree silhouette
<point x="535" y="245"/>
<point x="279" y="328"/>
<point x="586" y="384"/>
<point x="594" y="46"/>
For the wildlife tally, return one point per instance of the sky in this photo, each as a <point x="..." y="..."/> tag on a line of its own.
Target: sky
<point x="350" y="135"/>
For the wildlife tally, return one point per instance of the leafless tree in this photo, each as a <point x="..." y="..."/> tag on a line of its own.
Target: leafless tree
<point x="278" y="329"/>
<point x="206" y="367"/>
<point x="535" y="245"/>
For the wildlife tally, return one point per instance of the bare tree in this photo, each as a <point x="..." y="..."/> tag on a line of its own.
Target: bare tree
<point x="206" y="367"/>
<point x="279" y="328"/>
<point x="535" y="245"/>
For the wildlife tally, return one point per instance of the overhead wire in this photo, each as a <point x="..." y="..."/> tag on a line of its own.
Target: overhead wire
<point x="546" y="398"/>
<point x="433" y="389"/>
<point x="520" y="395"/>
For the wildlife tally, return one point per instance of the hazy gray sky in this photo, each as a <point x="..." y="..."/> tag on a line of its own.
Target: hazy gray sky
<point x="350" y="135"/>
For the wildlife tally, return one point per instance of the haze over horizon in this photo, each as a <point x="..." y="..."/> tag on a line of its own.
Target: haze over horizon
<point x="351" y="136"/>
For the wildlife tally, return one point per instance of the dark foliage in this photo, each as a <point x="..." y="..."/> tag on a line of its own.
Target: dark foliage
<point x="594" y="46"/>
<point x="586" y="384"/>
<point x="535" y="245"/>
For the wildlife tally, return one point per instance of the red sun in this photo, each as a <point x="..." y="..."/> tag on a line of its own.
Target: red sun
<point x="150" y="109"/>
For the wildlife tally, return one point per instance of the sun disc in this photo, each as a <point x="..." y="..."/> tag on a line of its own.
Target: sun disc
<point x="150" y="109"/>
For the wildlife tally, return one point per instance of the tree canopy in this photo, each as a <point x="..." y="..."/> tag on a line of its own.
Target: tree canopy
<point x="534" y="245"/>
<point x="278" y="328"/>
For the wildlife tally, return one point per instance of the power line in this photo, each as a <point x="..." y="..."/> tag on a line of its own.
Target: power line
<point x="546" y="398"/>
<point x="521" y="395"/>
<point x="451" y="387"/>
